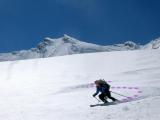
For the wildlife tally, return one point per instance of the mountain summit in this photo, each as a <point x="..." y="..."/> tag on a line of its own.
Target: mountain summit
<point x="65" y="45"/>
<point x="154" y="44"/>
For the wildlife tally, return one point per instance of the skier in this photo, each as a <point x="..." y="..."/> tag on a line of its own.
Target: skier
<point x="103" y="87"/>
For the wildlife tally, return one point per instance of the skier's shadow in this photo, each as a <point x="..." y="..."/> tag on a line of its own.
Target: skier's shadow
<point x="103" y="104"/>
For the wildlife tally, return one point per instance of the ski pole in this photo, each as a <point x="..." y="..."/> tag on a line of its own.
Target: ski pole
<point x="119" y="94"/>
<point x="97" y="99"/>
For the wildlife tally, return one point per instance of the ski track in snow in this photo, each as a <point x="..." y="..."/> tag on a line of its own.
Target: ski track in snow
<point x="9" y="69"/>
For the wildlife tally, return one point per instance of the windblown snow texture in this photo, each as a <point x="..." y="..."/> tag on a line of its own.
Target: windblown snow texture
<point x="61" y="88"/>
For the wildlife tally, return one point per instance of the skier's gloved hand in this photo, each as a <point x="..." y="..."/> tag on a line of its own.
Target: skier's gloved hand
<point x="94" y="95"/>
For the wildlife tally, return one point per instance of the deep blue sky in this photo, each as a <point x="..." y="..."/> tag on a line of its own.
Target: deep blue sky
<point x="24" y="23"/>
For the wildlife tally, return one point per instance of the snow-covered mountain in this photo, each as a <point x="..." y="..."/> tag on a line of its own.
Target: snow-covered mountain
<point x="65" y="45"/>
<point x="154" y="44"/>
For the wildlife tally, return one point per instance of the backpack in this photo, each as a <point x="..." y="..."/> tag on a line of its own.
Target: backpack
<point x="102" y="82"/>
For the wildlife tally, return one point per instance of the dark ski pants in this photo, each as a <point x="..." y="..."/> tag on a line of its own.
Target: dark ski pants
<point x="108" y="95"/>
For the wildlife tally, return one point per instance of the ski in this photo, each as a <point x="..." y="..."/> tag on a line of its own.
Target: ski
<point x="106" y="104"/>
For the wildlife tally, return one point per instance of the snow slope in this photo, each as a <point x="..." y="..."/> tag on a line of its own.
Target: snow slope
<point x="59" y="88"/>
<point x="65" y="45"/>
